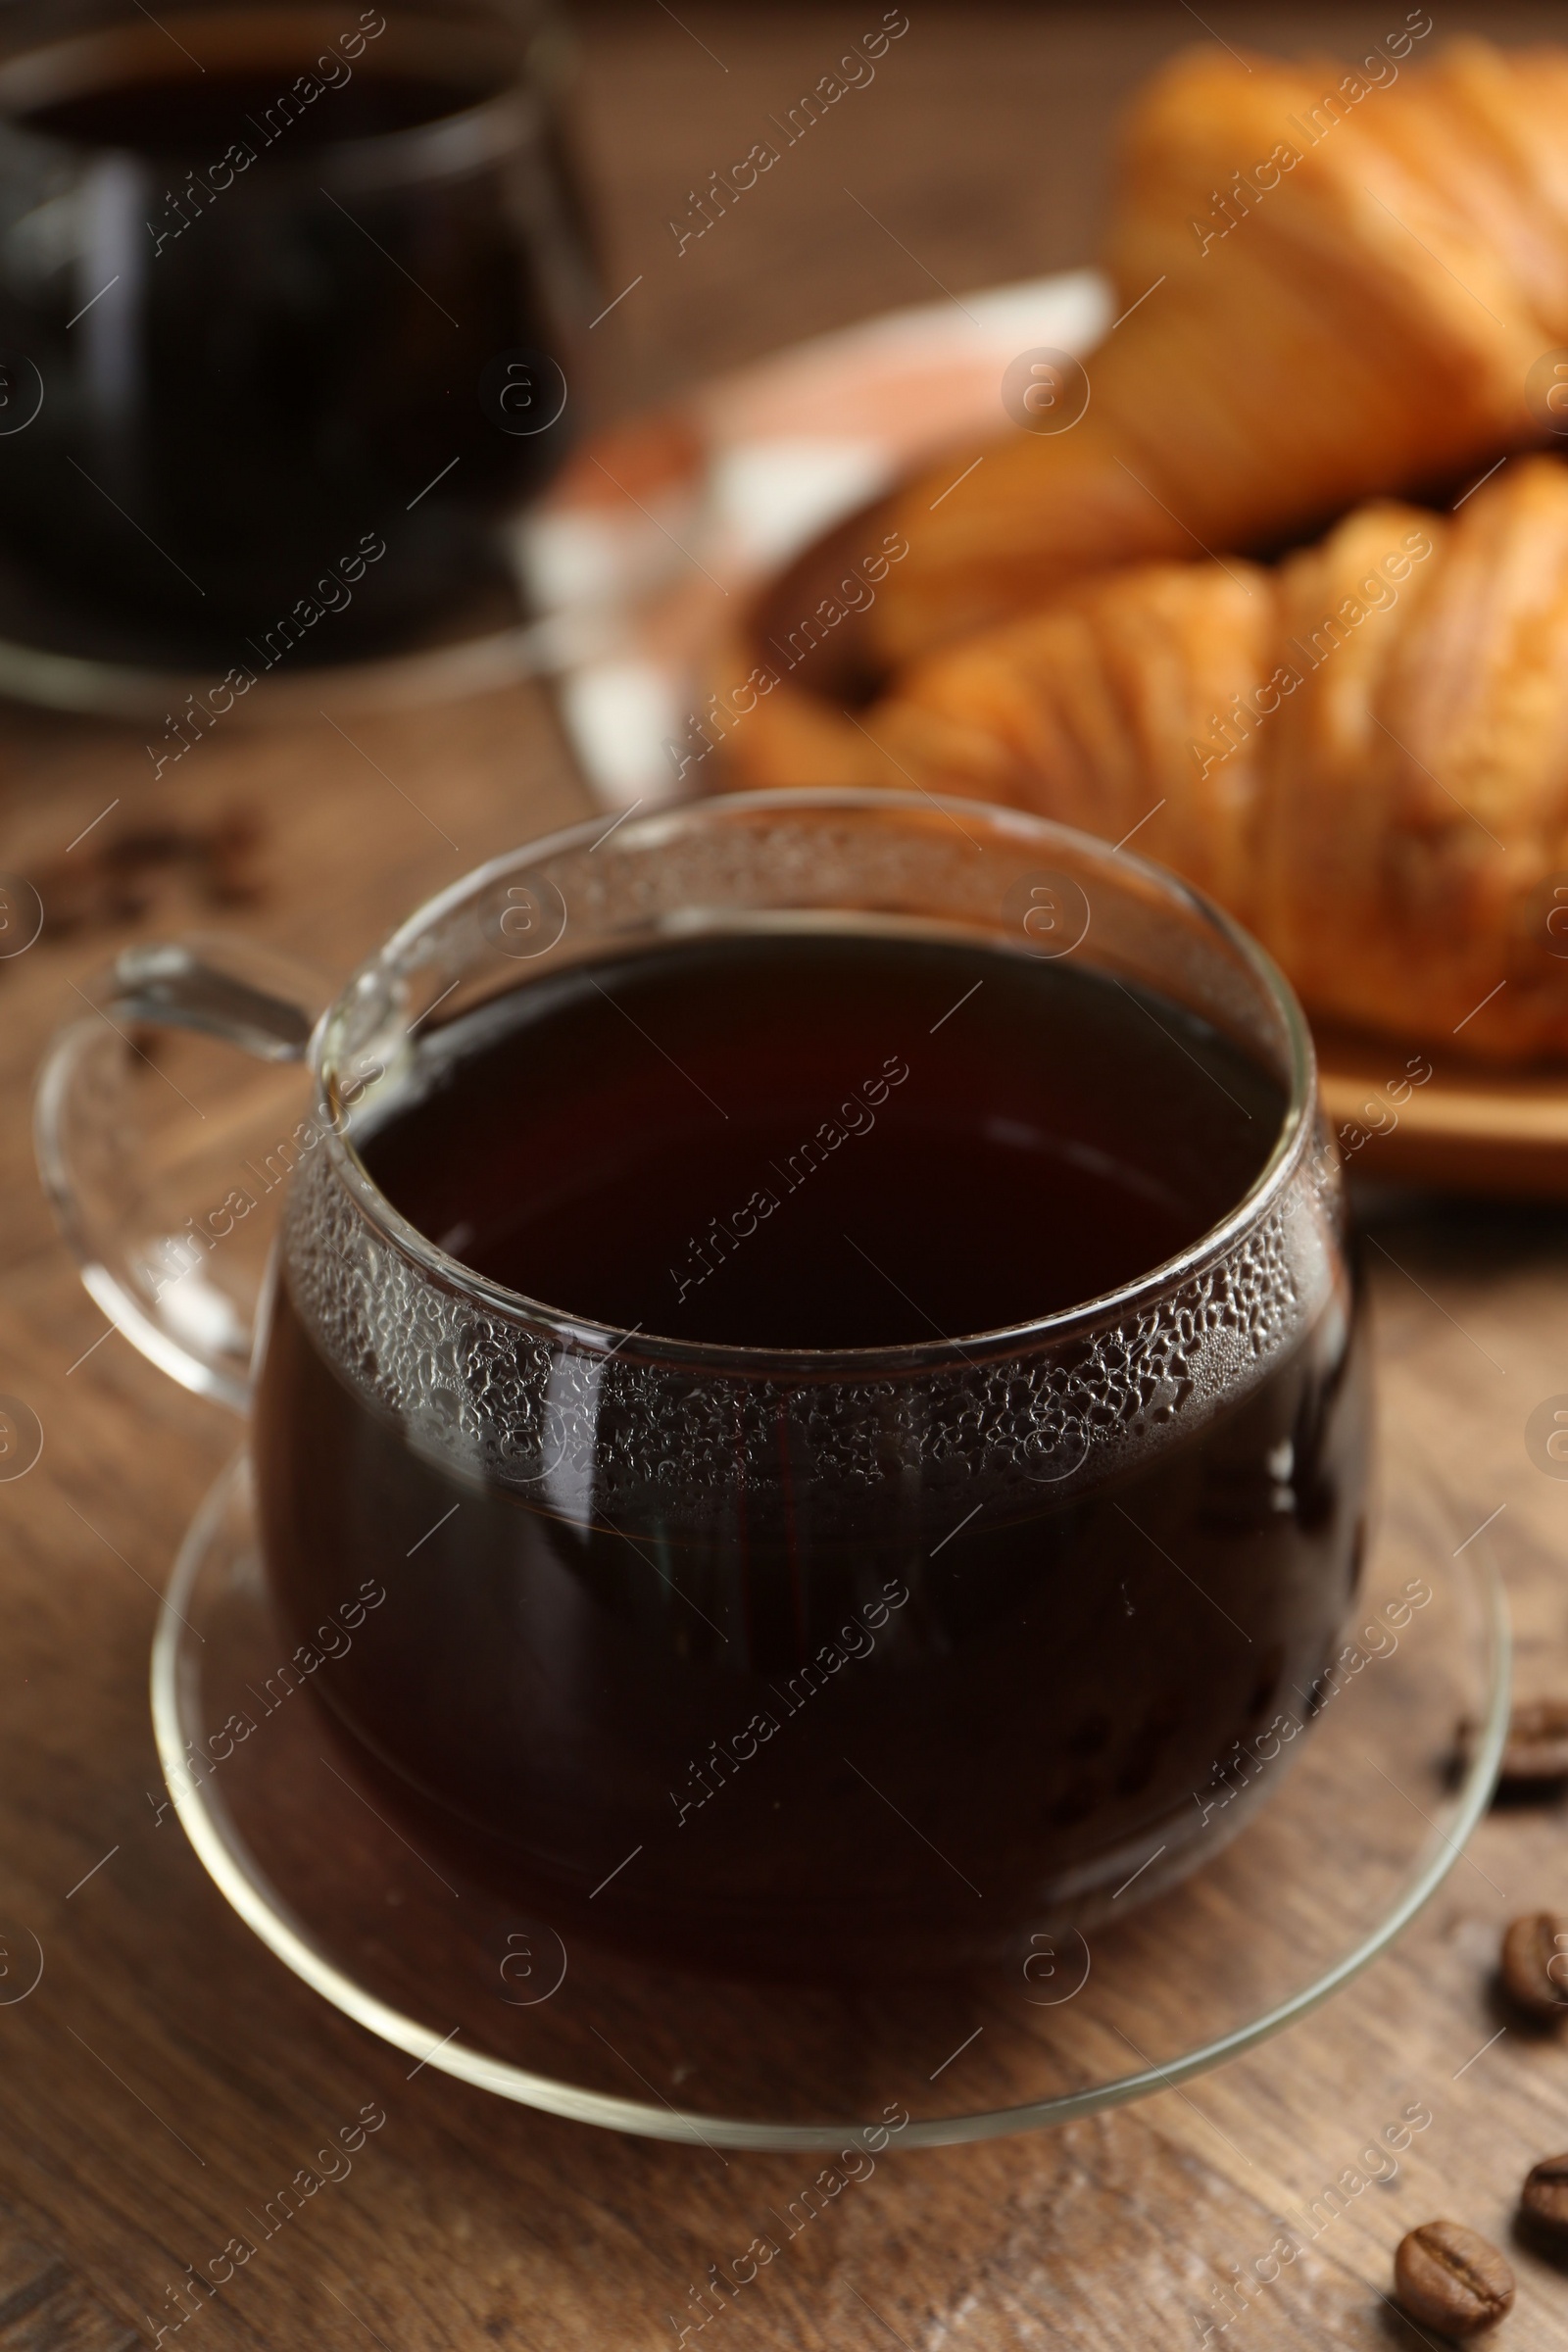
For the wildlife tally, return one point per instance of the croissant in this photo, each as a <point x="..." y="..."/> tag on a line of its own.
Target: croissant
<point x="1362" y="752"/>
<point x="1334" y="283"/>
<point x="1342" y="280"/>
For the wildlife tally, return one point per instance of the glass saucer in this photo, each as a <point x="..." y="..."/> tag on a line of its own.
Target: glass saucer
<point x="1325" y="1845"/>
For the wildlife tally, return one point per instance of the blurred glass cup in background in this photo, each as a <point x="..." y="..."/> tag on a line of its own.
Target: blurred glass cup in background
<point x="292" y="305"/>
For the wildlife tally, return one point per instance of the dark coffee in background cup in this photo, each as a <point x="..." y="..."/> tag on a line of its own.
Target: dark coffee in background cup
<point x="290" y="299"/>
<point x="800" y="1723"/>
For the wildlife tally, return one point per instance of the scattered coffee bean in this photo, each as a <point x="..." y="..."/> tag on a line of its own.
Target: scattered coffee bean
<point x="1535" y="1963"/>
<point x="1535" y="1754"/>
<point x="1544" y="2198"/>
<point x="1448" y="2277"/>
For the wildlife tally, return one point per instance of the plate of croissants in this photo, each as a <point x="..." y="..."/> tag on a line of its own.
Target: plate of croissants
<point x="1257" y="562"/>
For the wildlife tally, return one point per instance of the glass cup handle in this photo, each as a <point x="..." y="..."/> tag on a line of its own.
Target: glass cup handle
<point x="154" y="1192"/>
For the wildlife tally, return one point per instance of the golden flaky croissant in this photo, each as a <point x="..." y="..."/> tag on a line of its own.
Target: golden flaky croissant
<point x="1338" y="282"/>
<point x="1343" y="280"/>
<point x="1362" y="752"/>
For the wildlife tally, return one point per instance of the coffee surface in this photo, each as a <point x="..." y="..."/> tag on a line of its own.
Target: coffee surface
<point x="193" y="120"/>
<point x="825" y="1140"/>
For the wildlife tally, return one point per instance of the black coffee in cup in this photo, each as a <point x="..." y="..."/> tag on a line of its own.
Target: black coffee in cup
<point x="756" y="1694"/>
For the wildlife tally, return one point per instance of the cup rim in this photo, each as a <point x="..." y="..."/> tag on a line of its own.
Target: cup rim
<point x="1008" y="1341"/>
<point x="478" y="125"/>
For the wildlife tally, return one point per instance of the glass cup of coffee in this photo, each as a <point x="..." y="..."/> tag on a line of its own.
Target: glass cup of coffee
<point x="826" y="1316"/>
<point x="292" y="303"/>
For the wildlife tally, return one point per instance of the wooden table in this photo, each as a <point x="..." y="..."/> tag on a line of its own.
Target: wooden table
<point x="167" y="2075"/>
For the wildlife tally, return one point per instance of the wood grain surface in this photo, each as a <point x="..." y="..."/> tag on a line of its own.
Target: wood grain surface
<point x="164" y="2076"/>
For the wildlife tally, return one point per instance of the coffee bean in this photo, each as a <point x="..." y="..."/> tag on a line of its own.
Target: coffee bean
<point x="1535" y="1754"/>
<point x="1448" y="2277"/>
<point x="1535" y="1963"/>
<point x="1544" y="2198"/>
